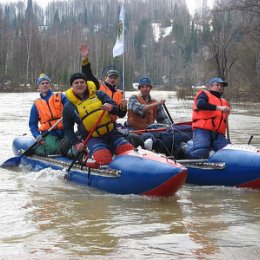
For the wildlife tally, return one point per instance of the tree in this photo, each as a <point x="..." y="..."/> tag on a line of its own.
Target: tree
<point x="223" y="44"/>
<point x="224" y="41"/>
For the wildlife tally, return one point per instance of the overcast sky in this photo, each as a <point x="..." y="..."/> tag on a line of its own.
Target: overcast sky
<point x="190" y="3"/>
<point x="42" y="3"/>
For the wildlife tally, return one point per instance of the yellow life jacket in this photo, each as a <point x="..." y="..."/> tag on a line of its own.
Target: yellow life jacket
<point x="90" y="110"/>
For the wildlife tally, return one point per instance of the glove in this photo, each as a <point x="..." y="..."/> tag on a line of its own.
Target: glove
<point x="123" y="132"/>
<point x="39" y="139"/>
<point x="72" y="152"/>
<point x="75" y="150"/>
<point x="148" y="144"/>
<point x="80" y="147"/>
<point x="108" y="107"/>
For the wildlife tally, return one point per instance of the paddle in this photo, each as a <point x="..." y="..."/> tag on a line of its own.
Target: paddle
<point x="250" y="139"/>
<point x="168" y="113"/>
<point x="141" y="131"/>
<point x="15" y="161"/>
<point x="228" y="134"/>
<point x="87" y="139"/>
<point x="160" y="129"/>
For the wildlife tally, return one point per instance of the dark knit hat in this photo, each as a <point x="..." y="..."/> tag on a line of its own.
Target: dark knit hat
<point x="77" y="75"/>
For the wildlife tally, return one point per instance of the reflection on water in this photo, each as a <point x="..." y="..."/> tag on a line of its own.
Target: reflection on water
<point x="45" y="217"/>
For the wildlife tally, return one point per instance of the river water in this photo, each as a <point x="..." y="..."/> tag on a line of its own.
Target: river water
<point x="42" y="216"/>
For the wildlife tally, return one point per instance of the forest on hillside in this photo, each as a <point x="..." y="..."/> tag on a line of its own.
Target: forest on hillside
<point x="162" y="41"/>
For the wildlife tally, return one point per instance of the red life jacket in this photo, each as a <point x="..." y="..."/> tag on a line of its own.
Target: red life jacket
<point x="49" y="112"/>
<point x="138" y="122"/>
<point x="212" y="120"/>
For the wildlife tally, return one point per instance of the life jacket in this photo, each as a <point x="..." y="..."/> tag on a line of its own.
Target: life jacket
<point x="49" y="112"/>
<point x="117" y="96"/>
<point x="141" y="122"/>
<point x="213" y="120"/>
<point x="90" y="110"/>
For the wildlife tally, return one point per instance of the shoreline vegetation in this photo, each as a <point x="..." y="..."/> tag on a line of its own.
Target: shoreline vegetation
<point x="167" y="44"/>
<point x="241" y="97"/>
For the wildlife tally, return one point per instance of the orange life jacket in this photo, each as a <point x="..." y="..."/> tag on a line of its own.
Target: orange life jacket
<point x="213" y="120"/>
<point x="117" y="96"/>
<point x="49" y="112"/>
<point x="138" y="122"/>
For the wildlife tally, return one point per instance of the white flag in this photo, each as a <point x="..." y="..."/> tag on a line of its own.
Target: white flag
<point x="119" y="46"/>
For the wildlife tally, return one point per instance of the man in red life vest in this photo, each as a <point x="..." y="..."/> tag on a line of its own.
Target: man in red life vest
<point x="209" y="121"/>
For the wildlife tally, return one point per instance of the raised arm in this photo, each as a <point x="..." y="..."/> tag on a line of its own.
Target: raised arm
<point x="86" y="67"/>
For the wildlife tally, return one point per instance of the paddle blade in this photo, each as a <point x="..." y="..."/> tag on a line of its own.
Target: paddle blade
<point x="12" y="162"/>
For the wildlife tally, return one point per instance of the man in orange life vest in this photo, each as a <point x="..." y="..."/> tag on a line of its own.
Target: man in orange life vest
<point x="84" y="107"/>
<point x="47" y="110"/>
<point x="209" y="121"/>
<point x="143" y="110"/>
<point x="109" y="85"/>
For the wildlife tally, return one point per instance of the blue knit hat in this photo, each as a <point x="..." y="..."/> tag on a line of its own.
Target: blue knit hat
<point x="41" y="78"/>
<point x="144" y="81"/>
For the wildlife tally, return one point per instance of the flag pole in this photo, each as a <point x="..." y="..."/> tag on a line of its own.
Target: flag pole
<point x="123" y="4"/>
<point x="120" y="41"/>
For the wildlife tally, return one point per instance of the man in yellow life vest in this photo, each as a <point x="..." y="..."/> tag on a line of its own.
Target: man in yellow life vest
<point x="84" y="107"/>
<point x="209" y="121"/>
<point x="47" y="110"/>
<point x="109" y="85"/>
